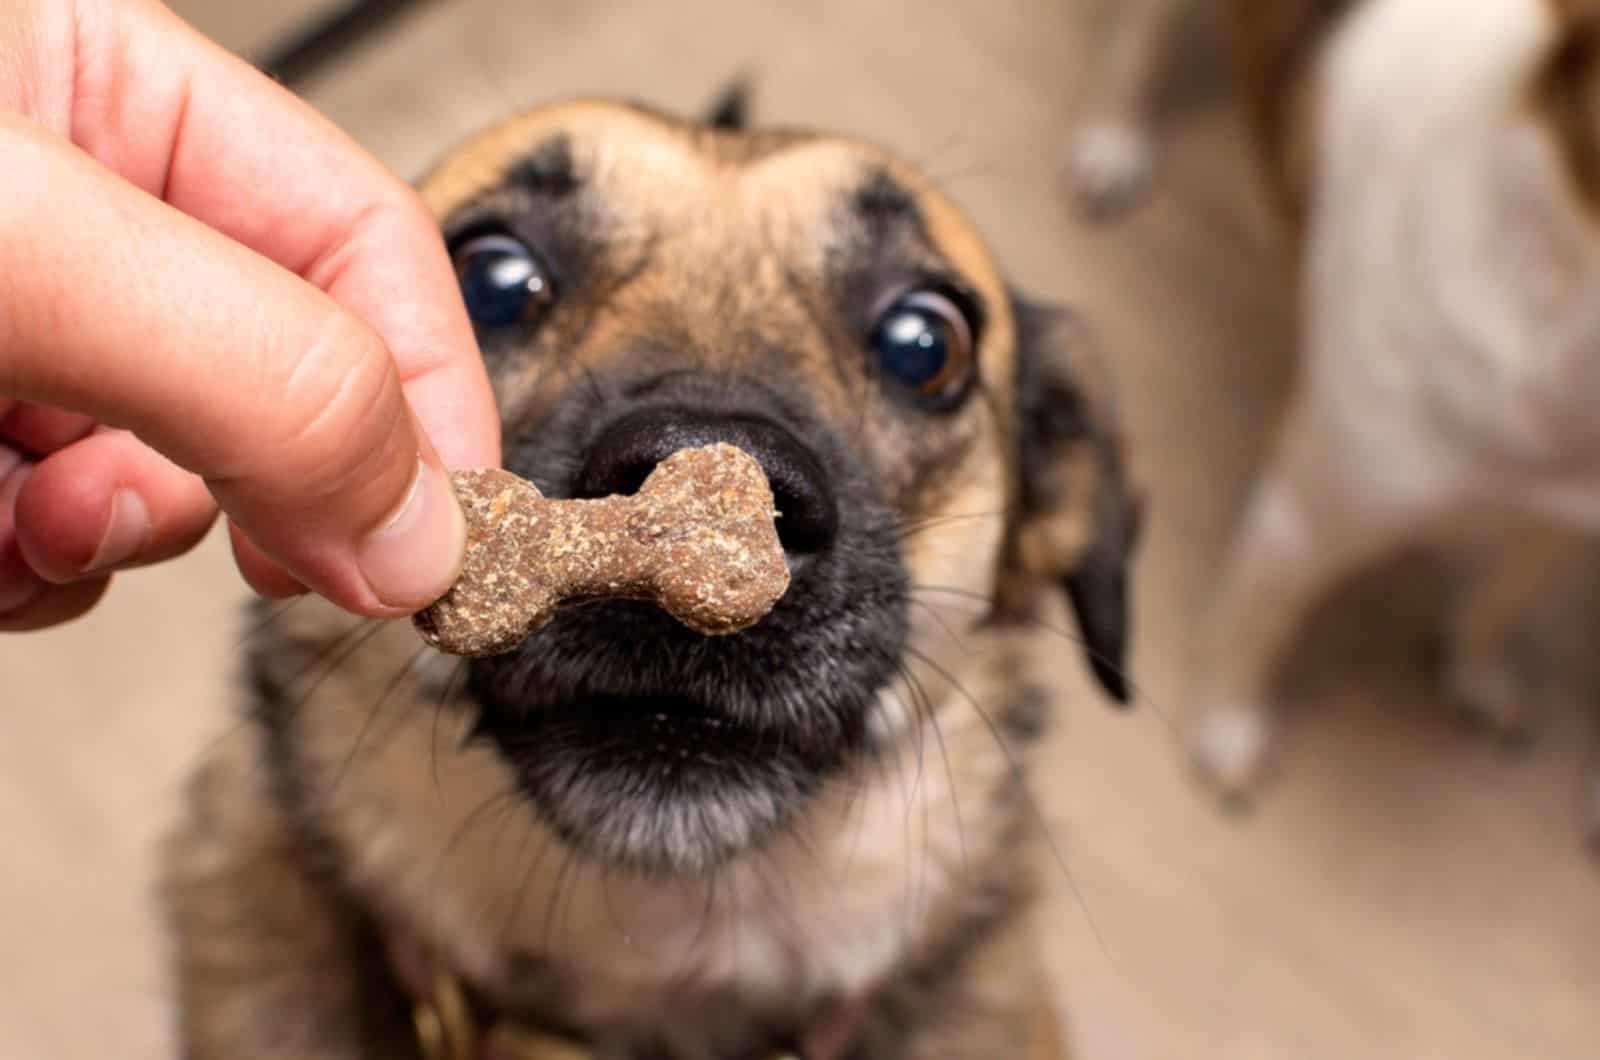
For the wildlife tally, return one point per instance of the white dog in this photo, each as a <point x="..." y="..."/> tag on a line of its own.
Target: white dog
<point x="1440" y="163"/>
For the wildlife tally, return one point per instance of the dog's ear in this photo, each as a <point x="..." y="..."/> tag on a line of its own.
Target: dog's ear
<point x="1079" y="515"/>
<point x="731" y="109"/>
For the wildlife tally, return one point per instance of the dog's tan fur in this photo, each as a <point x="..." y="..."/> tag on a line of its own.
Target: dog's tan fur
<point x="1276" y="44"/>
<point x="1565" y="96"/>
<point x="363" y="815"/>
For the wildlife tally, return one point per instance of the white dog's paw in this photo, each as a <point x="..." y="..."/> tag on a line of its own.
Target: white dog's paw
<point x="1110" y="165"/>
<point x="1491" y="688"/>
<point x="1230" y="747"/>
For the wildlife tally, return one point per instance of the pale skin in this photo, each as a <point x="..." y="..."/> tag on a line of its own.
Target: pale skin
<point x="211" y="299"/>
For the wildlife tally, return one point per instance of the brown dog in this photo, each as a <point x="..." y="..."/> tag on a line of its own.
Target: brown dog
<point x="625" y="840"/>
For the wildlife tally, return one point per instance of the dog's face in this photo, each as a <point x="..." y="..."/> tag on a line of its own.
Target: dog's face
<point x="640" y="285"/>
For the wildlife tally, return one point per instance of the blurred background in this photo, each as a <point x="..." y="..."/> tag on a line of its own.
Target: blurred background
<point x="1408" y="889"/>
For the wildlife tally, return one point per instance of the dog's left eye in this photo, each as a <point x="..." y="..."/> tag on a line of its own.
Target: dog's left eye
<point x="924" y="342"/>
<point x="502" y="281"/>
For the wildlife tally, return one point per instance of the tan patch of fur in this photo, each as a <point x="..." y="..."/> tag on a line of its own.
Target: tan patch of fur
<point x="1573" y="10"/>
<point x="1278" y="44"/>
<point x="1565" y="97"/>
<point x="1052" y="547"/>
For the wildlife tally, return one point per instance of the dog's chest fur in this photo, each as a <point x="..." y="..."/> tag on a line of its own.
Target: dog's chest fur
<point x="911" y="864"/>
<point x="1450" y="262"/>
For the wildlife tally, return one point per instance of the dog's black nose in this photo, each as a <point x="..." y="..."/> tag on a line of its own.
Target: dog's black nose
<point x="627" y="451"/>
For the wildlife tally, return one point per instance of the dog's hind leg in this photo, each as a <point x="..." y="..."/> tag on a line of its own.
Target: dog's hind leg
<point x="1323" y="509"/>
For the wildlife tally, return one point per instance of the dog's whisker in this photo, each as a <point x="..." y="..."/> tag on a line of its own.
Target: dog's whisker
<point x="339" y="650"/>
<point x="325" y="650"/>
<point x="736" y="921"/>
<point x="934" y="172"/>
<point x="913" y="867"/>
<point x="932" y="716"/>
<point x="569" y="898"/>
<point x="264" y="625"/>
<point x="938" y="618"/>
<point x="856" y="807"/>
<point x="940" y="150"/>
<point x="610" y="907"/>
<point x="445" y="698"/>
<point x="1138" y="690"/>
<point x="930" y="719"/>
<point x="514" y="913"/>
<point x="909" y="530"/>
<point x="408" y="670"/>
<point x="702" y="932"/>
<point x="473" y="818"/>
<point x="404" y="718"/>
<point x="1029" y="800"/>
<point x="914" y="874"/>
<point x="569" y="859"/>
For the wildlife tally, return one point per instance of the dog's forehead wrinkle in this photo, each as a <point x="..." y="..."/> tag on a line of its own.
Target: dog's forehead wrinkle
<point x="547" y="170"/>
<point x="882" y="202"/>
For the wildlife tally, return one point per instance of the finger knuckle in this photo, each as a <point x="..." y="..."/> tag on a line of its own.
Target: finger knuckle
<point x="345" y="405"/>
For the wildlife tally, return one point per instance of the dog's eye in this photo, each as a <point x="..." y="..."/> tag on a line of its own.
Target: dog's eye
<point x="924" y="342"/>
<point x="502" y="281"/>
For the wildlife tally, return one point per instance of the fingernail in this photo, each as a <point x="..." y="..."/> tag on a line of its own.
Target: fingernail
<point x="126" y="534"/>
<point x="415" y="558"/>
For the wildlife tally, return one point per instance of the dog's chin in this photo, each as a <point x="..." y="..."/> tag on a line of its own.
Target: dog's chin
<point x="661" y="785"/>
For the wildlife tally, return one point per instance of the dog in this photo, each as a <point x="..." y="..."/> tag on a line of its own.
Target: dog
<point x="623" y="840"/>
<point x="1438" y="168"/>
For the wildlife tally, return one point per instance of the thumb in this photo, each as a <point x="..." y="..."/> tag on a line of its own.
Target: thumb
<point x="116" y="305"/>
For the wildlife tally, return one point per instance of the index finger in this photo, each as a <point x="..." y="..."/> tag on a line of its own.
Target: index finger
<point x="187" y="121"/>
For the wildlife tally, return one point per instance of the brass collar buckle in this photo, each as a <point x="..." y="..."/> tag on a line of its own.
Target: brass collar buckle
<point x="447" y="1030"/>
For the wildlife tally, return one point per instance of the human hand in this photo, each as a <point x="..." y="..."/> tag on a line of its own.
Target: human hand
<point x="210" y="296"/>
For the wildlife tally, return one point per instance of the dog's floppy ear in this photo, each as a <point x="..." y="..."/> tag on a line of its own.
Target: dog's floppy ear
<point x="731" y="109"/>
<point x="1080" y="516"/>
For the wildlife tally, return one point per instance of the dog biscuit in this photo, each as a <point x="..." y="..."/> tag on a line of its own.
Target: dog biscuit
<point x="698" y="539"/>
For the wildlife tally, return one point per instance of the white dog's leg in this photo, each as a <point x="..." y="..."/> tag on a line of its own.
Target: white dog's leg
<point x="1490" y="669"/>
<point x="1111" y="156"/>
<point x="1316" y="516"/>
<point x="1111" y="162"/>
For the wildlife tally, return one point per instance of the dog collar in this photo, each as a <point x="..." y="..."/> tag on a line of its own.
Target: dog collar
<point x="449" y="1027"/>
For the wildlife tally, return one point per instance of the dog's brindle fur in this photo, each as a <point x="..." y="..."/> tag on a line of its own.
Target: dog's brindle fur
<point x="662" y="845"/>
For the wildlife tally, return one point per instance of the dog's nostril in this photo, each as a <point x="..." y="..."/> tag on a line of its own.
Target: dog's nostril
<point x="808" y="518"/>
<point x="626" y="452"/>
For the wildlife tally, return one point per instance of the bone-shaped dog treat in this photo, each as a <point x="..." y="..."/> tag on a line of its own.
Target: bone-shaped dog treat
<point x="698" y="539"/>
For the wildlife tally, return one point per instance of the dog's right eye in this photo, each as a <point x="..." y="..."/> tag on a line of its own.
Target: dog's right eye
<point x="502" y="281"/>
<point x="924" y="342"/>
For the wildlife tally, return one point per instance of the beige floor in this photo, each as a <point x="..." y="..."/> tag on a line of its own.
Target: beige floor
<point x="1408" y="892"/>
